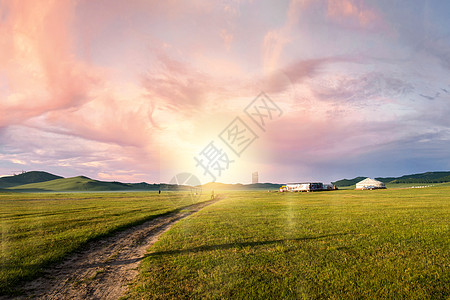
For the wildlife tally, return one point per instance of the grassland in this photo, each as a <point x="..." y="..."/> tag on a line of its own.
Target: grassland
<point x="340" y="245"/>
<point x="41" y="228"/>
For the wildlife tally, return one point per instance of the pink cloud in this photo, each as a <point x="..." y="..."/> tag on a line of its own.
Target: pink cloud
<point x="227" y="38"/>
<point x="105" y="120"/>
<point x="179" y="86"/>
<point x="129" y="176"/>
<point x="43" y="74"/>
<point x="296" y="72"/>
<point x="353" y="13"/>
<point x="80" y="88"/>
<point x="49" y="88"/>
<point x="276" y="40"/>
<point x="274" y="43"/>
<point x="316" y="136"/>
<point x="73" y="155"/>
<point x="369" y="89"/>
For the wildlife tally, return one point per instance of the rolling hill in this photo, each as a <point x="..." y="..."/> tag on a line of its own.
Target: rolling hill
<point x="26" y="178"/>
<point x="83" y="183"/>
<point x="348" y="182"/>
<point x="240" y="187"/>
<point x="79" y="183"/>
<point x="38" y="181"/>
<point x="428" y="177"/>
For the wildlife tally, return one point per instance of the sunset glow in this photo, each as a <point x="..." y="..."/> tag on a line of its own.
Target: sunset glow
<point x="134" y="90"/>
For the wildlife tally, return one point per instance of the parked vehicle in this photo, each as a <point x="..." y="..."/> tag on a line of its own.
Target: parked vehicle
<point x="306" y="187"/>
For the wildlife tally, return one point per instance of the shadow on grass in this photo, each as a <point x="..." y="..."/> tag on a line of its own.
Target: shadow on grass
<point x="224" y="247"/>
<point x="239" y="245"/>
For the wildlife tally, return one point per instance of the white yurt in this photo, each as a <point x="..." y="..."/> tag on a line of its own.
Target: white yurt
<point x="370" y="184"/>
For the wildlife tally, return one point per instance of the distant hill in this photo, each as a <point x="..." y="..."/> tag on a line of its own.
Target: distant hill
<point x="43" y="181"/>
<point x="240" y="187"/>
<point x="144" y="186"/>
<point x="428" y="177"/>
<point x="79" y="183"/>
<point x="348" y="182"/>
<point x="25" y="178"/>
<point x="83" y="183"/>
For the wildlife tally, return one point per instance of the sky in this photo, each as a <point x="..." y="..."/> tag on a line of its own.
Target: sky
<point x="142" y="90"/>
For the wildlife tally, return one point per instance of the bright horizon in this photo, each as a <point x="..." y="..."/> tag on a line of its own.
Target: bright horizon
<point x="138" y="90"/>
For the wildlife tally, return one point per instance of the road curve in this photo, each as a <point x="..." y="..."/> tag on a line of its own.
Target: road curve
<point x="103" y="269"/>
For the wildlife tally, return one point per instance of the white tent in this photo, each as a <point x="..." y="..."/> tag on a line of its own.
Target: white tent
<point x="370" y="184"/>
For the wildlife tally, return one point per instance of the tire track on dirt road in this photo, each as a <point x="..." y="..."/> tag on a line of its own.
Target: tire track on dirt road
<point x="103" y="269"/>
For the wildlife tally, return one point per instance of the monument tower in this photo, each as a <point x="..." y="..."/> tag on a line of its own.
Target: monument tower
<point x="255" y="177"/>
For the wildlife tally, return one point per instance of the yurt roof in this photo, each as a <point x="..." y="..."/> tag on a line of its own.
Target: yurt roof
<point x="370" y="181"/>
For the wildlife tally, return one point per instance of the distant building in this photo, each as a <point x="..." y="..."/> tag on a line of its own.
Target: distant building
<point x="255" y="178"/>
<point x="370" y="184"/>
<point x="306" y="187"/>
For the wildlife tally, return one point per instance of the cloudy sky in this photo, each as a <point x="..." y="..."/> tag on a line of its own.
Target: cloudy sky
<point x="142" y="90"/>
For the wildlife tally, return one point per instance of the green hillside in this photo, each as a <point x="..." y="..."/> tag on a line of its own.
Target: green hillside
<point x="428" y="177"/>
<point x="348" y="182"/>
<point x="83" y="183"/>
<point x="144" y="186"/>
<point x="43" y="181"/>
<point x="27" y="177"/>
<point x="79" y="183"/>
<point x="264" y="186"/>
<point x="240" y="187"/>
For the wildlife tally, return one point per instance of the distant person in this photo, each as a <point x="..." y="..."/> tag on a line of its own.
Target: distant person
<point x="212" y="194"/>
<point x="159" y="191"/>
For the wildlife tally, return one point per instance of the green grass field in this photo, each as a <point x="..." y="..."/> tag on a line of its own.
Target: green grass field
<point x="40" y="228"/>
<point x="339" y="245"/>
<point x="390" y="243"/>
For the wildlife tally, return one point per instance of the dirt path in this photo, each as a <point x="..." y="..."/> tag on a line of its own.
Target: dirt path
<point x="103" y="269"/>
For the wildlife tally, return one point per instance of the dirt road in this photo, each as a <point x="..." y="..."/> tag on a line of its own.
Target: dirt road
<point x="103" y="269"/>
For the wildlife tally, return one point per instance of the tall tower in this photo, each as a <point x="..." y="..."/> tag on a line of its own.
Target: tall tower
<point x="255" y="177"/>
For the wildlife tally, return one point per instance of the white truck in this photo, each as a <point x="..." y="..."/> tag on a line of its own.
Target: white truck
<point x="306" y="187"/>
